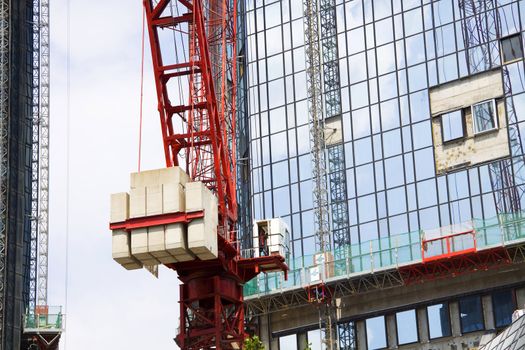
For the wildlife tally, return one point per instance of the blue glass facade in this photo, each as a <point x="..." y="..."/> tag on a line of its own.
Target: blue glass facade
<point x="390" y="53"/>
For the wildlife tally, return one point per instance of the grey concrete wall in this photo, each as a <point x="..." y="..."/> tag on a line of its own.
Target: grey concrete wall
<point x="386" y="302"/>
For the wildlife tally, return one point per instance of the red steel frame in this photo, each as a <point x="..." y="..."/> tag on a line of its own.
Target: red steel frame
<point x="211" y="293"/>
<point x="451" y="262"/>
<point x="450" y="252"/>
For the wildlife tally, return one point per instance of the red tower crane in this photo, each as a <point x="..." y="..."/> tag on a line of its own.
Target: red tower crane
<point x="194" y="46"/>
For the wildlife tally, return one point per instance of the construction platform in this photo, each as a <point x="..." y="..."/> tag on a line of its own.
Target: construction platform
<point x="400" y="260"/>
<point x="43" y="328"/>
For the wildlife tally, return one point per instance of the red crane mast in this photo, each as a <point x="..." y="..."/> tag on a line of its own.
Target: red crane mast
<point x="196" y="88"/>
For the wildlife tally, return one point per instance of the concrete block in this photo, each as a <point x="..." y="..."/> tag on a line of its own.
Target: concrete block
<point x="177" y="242"/>
<point x="145" y="178"/>
<point x="154" y="200"/>
<point x="150" y="262"/>
<point x="139" y="245"/>
<point x="133" y="266"/>
<point x="168" y="259"/>
<point x="119" y="207"/>
<point x="173" y="198"/>
<point x="137" y="202"/>
<point x="202" y="233"/>
<point x="157" y="245"/>
<point x="121" y="248"/>
<point x="173" y="175"/>
<point x="158" y="177"/>
<point x="202" y="239"/>
<point x="196" y="196"/>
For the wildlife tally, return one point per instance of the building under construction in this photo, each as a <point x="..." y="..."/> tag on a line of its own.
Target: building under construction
<point x="339" y="174"/>
<point x="25" y="321"/>
<point x="404" y="119"/>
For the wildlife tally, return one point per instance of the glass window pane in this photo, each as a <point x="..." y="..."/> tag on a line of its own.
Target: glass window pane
<point x="376" y="333"/>
<point x="315" y="340"/>
<point x="452" y="125"/>
<point x="484" y="116"/>
<point x="438" y="320"/>
<point x="406" y="327"/>
<point x="503" y="306"/>
<point x="511" y="48"/>
<point x="471" y="314"/>
<point x="288" y="342"/>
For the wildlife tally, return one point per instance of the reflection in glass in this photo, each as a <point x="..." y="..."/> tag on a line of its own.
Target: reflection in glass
<point x="511" y="48"/>
<point x="452" y="125"/>
<point x="503" y="306"/>
<point x="406" y="327"/>
<point x="376" y="333"/>
<point x="438" y="320"/>
<point x="471" y="314"/>
<point x="484" y="115"/>
<point x="288" y="342"/>
<point x="315" y="340"/>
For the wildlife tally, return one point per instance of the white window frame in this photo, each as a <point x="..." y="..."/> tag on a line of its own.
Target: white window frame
<point x="495" y="117"/>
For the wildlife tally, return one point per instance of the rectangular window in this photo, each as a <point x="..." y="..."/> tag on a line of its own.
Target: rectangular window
<point x="438" y="320"/>
<point x="484" y="116"/>
<point x="503" y="306"/>
<point x="288" y="342"/>
<point x="452" y="126"/>
<point x="511" y="48"/>
<point x="315" y="340"/>
<point x="376" y="333"/>
<point x="471" y="314"/>
<point x="406" y="323"/>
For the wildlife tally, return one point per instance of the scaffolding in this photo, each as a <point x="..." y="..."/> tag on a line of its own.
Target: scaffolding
<point x="35" y="156"/>
<point x="323" y="301"/>
<point x="43" y="218"/>
<point x="316" y="122"/>
<point x="482" y="28"/>
<point x="4" y="141"/>
<point x="340" y="232"/>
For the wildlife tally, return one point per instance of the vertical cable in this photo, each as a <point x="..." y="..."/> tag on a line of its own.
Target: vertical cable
<point x="68" y="145"/>
<point x="141" y="85"/>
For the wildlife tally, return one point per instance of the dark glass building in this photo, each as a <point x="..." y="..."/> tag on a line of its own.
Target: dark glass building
<point x="16" y="72"/>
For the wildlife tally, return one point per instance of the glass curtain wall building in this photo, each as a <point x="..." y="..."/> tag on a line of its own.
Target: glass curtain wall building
<point x="390" y="54"/>
<point x="407" y="160"/>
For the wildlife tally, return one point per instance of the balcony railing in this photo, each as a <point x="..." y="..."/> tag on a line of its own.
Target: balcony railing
<point x="391" y="252"/>
<point x="50" y="319"/>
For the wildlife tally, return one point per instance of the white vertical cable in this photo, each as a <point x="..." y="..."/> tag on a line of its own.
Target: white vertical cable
<point x="68" y="145"/>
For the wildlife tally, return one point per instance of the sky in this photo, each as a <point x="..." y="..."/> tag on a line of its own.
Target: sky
<point x="107" y="306"/>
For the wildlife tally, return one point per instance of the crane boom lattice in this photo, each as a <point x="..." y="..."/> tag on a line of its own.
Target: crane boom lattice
<point x="194" y="56"/>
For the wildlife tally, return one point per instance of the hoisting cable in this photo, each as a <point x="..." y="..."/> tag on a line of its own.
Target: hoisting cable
<point x="141" y="85"/>
<point x="68" y="147"/>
